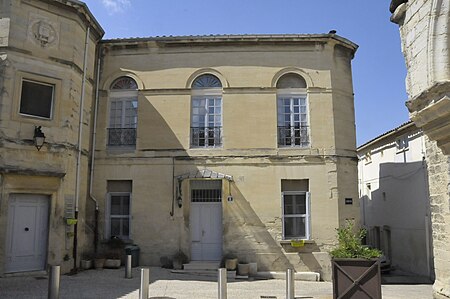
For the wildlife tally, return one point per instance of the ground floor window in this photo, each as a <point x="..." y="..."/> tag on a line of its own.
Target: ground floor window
<point x="119" y="215"/>
<point x="296" y="215"/>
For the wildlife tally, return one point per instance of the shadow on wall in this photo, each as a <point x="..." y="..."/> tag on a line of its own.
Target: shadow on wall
<point x="397" y="217"/>
<point x="251" y="240"/>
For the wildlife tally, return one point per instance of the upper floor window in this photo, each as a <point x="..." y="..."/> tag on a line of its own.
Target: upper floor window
<point x="36" y="99"/>
<point x="206" y="113"/>
<point x="292" y="106"/>
<point x="123" y="112"/>
<point x="402" y="143"/>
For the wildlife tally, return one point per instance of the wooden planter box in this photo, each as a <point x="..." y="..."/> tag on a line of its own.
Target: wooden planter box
<point x="356" y="278"/>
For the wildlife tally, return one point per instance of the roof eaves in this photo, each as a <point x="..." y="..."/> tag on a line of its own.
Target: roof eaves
<point x="403" y="126"/>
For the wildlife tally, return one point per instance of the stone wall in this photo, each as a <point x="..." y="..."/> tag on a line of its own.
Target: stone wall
<point x="439" y="178"/>
<point x="425" y="32"/>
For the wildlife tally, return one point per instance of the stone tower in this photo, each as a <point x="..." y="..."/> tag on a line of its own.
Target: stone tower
<point x="425" y="33"/>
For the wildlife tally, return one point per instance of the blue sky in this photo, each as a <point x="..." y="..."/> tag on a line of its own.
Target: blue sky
<point x="378" y="67"/>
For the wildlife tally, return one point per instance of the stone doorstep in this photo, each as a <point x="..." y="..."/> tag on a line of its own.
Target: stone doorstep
<point x="305" y="276"/>
<point x="211" y="272"/>
<point x="206" y="265"/>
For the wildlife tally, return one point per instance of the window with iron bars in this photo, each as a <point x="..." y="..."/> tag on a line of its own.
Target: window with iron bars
<point x="122" y="122"/>
<point x="206" y="128"/>
<point x="293" y="129"/>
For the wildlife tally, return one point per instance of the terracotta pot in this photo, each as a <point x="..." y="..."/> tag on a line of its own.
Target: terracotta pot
<point x="112" y="263"/>
<point x="99" y="263"/>
<point x="231" y="264"/>
<point x="253" y="269"/>
<point x="243" y="269"/>
<point x="86" y="264"/>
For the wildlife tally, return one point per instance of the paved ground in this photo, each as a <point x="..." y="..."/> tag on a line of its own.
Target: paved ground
<point x="165" y="285"/>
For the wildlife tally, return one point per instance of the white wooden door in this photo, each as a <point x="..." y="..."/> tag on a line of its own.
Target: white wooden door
<point x="206" y="220"/>
<point x="26" y="240"/>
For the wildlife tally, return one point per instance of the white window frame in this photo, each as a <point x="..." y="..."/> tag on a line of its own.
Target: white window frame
<point x="207" y="95"/>
<point x="52" y="100"/>
<point x="108" y="215"/>
<point x="291" y="94"/>
<point x="307" y="216"/>
<point x="123" y="97"/>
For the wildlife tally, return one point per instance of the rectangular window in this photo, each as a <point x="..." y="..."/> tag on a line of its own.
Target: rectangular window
<point x="296" y="215"/>
<point x="122" y="122"/>
<point x="292" y="121"/>
<point x="36" y="99"/>
<point x="206" y="122"/>
<point x="119" y="215"/>
<point x="402" y="143"/>
<point x="118" y="208"/>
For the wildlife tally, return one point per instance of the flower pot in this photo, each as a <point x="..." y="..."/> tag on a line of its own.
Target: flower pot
<point x="252" y="269"/>
<point x="112" y="263"/>
<point x="99" y="263"/>
<point x="231" y="264"/>
<point x="243" y="269"/>
<point x="359" y="277"/>
<point x="86" y="264"/>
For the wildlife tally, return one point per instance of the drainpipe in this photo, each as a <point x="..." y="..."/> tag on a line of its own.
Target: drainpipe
<point x="94" y="135"/>
<point x="80" y="135"/>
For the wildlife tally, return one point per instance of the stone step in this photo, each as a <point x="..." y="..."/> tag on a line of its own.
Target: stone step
<point x="204" y="265"/>
<point x="231" y="275"/>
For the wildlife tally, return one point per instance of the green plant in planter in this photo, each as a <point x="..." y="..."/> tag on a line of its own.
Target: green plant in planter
<point x="350" y="243"/>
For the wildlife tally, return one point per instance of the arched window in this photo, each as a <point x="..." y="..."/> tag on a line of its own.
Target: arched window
<point x="292" y="106"/>
<point x="206" y="112"/>
<point x="122" y="112"/>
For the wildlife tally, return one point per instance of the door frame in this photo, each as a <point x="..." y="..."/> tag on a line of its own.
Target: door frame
<point x="189" y="188"/>
<point x="8" y="229"/>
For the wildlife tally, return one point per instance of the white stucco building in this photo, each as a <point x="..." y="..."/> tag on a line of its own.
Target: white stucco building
<point x="394" y="198"/>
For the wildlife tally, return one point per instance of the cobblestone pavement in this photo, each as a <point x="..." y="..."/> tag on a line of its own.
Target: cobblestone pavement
<point x="166" y="285"/>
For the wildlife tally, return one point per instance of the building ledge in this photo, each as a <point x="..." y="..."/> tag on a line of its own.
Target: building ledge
<point x="31" y="171"/>
<point x="434" y="120"/>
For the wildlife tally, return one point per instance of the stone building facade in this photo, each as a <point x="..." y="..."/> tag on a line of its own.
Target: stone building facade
<point x="251" y="85"/>
<point x="209" y="145"/>
<point x="425" y="32"/>
<point x="47" y="57"/>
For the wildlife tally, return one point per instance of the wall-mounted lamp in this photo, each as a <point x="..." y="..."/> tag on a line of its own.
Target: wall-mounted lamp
<point x="179" y="201"/>
<point x="39" y="137"/>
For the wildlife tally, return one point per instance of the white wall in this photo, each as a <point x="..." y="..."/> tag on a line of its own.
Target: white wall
<point x="394" y="199"/>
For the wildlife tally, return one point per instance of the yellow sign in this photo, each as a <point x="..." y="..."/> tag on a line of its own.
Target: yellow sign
<point x="297" y="243"/>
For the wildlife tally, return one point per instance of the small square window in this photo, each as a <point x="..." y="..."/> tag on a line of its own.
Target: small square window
<point x="37" y="99"/>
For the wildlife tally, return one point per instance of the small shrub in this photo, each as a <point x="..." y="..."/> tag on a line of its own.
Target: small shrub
<point x="350" y="243"/>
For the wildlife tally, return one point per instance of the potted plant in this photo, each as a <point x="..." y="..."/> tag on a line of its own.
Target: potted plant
<point x="99" y="261"/>
<point x="356" y="267"/>
<point x="114" y="252"/>
<point x="179" y="259"/>
<point x="86" y="261"/>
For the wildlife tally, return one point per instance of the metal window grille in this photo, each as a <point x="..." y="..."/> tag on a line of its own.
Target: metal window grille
<point x="206" y="195"/>
<point x="121" y="136"/>
<point x="293" y="136"/>
<point x="206" y="136"/>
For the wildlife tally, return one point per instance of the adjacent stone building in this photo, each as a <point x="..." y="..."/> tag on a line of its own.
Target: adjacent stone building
<point x="210" y="145"/>
<point x="425" y="32"/>
<point x="47" y="58"/>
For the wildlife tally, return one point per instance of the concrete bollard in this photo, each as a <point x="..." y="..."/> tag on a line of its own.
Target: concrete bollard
<point x="290" y="285"/>
<point x="222" y="283"/>
<point x="53" y="282"/>
<point x="145" y="282"/>
<point x="128" y="273"/>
